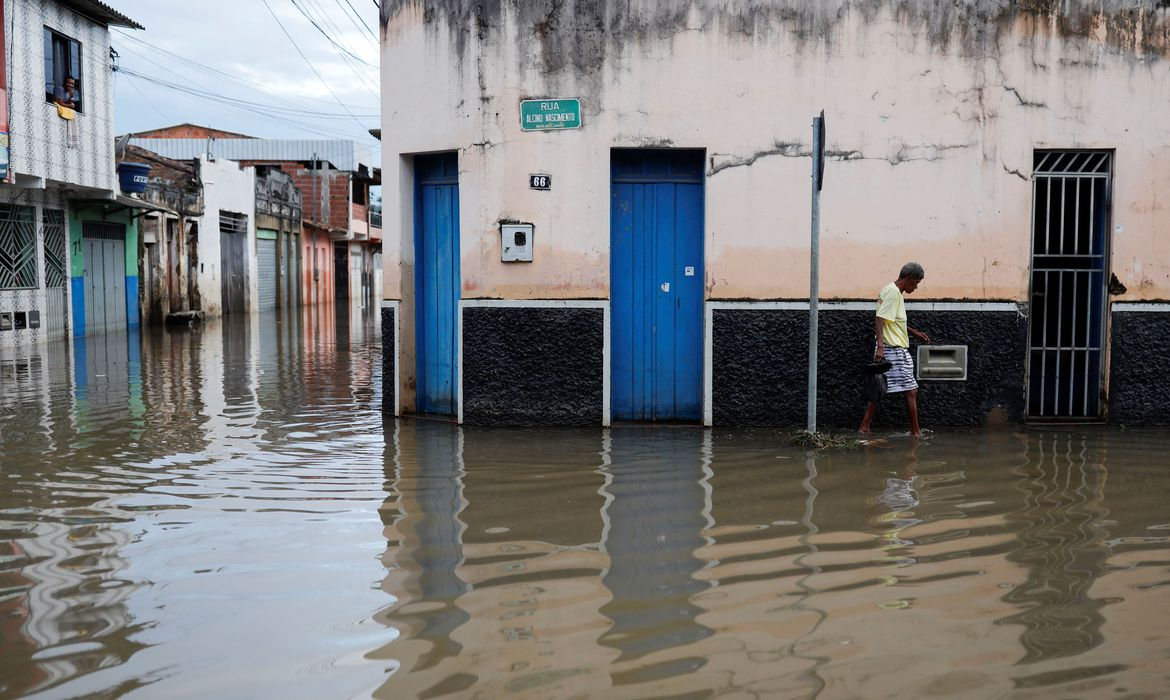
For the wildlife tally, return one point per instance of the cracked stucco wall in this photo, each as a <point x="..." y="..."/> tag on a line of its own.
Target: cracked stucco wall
<point x="933" y="111"/>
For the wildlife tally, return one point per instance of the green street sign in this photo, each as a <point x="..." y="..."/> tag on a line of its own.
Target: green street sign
<point x="550" y="114"/>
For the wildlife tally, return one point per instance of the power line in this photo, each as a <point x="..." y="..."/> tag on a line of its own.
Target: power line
<point x="233" y="103"/>
<point x="134" y="84"/>
<point x="354" y="63"/>
<point x="360" y="19"/>
<point x="209" y="70"/>
<point x="203" y="91"/>
<point x="329" y="38"/>
<point x="327" y="17"/>
<point x="310" y="63"/>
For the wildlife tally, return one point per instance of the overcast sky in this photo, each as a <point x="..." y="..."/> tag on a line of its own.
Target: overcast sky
<point x="272" y="91"/>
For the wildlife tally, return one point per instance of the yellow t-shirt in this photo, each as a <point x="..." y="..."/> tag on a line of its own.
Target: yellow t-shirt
<point x="892" y="308"/>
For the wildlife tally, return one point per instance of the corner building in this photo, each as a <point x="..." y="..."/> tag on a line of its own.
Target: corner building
<point x="1019" y="151"/>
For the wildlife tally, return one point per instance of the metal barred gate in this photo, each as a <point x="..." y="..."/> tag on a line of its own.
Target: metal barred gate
<point x="1069" y="280"/>
<point x="56" y="273"/>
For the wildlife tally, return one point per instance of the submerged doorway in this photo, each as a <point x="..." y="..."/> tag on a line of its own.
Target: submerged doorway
<point x="656" y="284"/>
<point x="104" y="275"/>
<point x="1069" y="279"/>
<point x="436" y="281"/>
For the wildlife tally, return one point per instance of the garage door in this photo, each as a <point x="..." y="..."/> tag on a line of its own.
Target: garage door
<point x="266" y="263"/>
<point x="104" y="248"/>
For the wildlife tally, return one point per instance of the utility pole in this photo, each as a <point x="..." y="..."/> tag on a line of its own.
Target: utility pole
<point x="818" y="176"/>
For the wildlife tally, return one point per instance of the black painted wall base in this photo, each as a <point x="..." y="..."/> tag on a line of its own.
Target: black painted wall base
<point x="389" y="357"/>
<point x="533" y="365"/>
<point x="760" y="368"/>
<point x="1139" y="368"/>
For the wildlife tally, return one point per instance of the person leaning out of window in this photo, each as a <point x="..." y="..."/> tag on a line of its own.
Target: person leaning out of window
<point x="66" y="95"/>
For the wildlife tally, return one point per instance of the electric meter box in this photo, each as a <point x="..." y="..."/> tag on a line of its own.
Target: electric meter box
<point x="516" y="242"/>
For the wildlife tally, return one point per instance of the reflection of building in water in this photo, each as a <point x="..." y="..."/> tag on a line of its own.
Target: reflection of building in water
<point x="172" y="366"/>
<point x="1061" y="548"/>
<point x="534" y="561"/>
<point x="494" y="558"/>
<point x="280" y="381"/>
<point x="75" y="612"/>
<point x="686" y="564"/>
<point x="228" y="385"/>
<point x="62" y="607"/>
<point x="804" y="597"/>
<point x="1134" y="585"/>
<point x="655" y="521"/>
<point x="107" y="374"/>
<point x="424" y="534"/>
<point x="36" y="392"/>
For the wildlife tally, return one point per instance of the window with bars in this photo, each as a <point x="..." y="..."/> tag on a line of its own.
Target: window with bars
<point x="56" y="262"/>
<point x="232" y="222"/>
<point x="18" y="247"/>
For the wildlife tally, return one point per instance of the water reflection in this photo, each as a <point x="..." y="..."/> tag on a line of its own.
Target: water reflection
<point x="1061" y="545"/>
<point x="426" y="524"/>
<point x="119" y="456"/>
<point x="729" y="565"/>
<point x="655" y="516"/>
<point x="220" y="511"/>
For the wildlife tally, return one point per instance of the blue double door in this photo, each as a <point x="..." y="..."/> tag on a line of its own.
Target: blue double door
<point x="436" y="248"/>
<point x="656" y="284"/>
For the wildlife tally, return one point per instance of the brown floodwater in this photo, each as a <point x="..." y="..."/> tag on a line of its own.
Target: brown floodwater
<point x="224" y="513"/>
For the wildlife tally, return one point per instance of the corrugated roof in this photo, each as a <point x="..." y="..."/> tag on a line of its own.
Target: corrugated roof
<point x="344" y="155"/>
<point x="100" y="12"/>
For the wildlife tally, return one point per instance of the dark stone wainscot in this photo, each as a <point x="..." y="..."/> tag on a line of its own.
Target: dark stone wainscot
<point x="1139" y="368"/>
<point x="538" y="366"/>
<point x="760" y="368"/>
<point x="389" y="357"/>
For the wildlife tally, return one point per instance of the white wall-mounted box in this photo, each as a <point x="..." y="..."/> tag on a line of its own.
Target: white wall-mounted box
<point x="946" y="363"/>
<point x="516" y="242"/>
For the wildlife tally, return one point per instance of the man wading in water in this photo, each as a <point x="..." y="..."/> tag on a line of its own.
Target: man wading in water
<point x="893" y="343"/>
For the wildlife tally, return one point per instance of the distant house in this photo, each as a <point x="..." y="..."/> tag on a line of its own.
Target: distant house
<point x="227" y="241"/>
<point x="67" y="240"/>
<point x="340" y="242"/>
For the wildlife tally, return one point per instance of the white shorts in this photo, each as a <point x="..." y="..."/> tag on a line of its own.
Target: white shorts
<point x="901" y="374"/>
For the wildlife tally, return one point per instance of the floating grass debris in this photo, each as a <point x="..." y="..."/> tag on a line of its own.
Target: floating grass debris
<point x="821" y="441"/>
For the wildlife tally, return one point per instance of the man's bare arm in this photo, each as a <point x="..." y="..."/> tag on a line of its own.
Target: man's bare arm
<point x="919" y="334"/>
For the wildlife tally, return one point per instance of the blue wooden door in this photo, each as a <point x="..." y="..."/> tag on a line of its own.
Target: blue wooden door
<point x="656" y="284"/>
<point x="436" y="247"/>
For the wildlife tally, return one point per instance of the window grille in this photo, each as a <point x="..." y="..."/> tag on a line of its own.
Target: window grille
<point x="56" y="261"/>
<point x="103" y="230"/>
<point x="18" y="247"/>
<point x="232" y="222"/>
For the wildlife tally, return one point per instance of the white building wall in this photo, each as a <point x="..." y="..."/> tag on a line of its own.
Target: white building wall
<point x="38" y="137"/>
<point x="932" y="121"/>
<point x="227" y="187"/>
<point x="40" y="156"/>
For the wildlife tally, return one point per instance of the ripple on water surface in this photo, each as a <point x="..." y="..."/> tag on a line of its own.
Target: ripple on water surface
<point x="221" y="513"/>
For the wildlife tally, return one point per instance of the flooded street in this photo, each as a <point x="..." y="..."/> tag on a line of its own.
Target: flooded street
<point x="222" y="512"/>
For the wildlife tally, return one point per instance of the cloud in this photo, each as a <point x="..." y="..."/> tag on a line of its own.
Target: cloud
<point x="242" y="40"/>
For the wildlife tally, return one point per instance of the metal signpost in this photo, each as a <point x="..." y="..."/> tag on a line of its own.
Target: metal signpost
<point x="818" y="176"/>
<point x="551" y="114"/>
